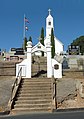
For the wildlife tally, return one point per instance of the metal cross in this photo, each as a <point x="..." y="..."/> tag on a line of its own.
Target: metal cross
<point x="49" y="11"/>
<point x="39" y="38"/>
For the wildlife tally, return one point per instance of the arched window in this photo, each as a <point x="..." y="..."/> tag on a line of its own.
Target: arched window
<point x="49" y="23"/>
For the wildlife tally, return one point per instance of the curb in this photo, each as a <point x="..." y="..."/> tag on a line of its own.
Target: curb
<point x="67" y="110"/>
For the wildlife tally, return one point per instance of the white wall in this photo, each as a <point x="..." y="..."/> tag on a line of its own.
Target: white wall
<point x="58" y="46"/>
<point x="56" y="72"/>
<point x="25" y="67"/>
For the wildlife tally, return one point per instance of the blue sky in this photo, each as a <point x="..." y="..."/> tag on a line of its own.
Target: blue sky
<point x="68" y="20"/>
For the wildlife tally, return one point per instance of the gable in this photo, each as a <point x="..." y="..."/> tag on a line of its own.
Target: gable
<point x="38" y="47"/>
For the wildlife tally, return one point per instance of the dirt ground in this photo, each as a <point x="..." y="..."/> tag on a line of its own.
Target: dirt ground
<point x="73" y="74"/>
<point x="78" y="102"/>
<point x="5" y="90"/>
<point x="68" y="96"/>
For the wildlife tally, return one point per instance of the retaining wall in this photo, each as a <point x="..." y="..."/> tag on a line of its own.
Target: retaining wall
<point x="8" y="68"/>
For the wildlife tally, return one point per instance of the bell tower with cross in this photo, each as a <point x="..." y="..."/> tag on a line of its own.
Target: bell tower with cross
<point x="49" y="24"/>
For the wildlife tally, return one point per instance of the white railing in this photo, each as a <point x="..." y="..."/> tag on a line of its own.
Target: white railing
<point x="15" y="87"/>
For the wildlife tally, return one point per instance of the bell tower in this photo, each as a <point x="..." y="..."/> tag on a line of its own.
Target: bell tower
<point x="49" y="24"/>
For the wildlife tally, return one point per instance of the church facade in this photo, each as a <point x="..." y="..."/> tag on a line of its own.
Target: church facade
<point x="54" y="65"/>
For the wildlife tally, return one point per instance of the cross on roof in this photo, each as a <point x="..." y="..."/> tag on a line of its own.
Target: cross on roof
<point x="39" y="38"/>
<point x="49" y="11"/>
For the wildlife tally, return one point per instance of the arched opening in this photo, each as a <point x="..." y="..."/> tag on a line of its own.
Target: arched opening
<point x="27" y="63"/>
<point x="39" y="65"/>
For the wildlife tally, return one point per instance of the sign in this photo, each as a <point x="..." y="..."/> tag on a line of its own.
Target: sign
<point x="56" y="66"/>
<point x="73" y="50"/>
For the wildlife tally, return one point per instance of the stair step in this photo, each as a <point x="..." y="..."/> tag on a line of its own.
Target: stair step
<point x="33" y="82"/>
<point x="32" y="105"/>
<point x="32" y="101"/>
<point x="33" y="98"/>
<point x="35" y="94"/>
<point x="37" y="80"/>
<point x="35" y="88"/>
<point x="34" y="91"/>
<point x="36" y="84"/>
<point x="24" y="110"/>
<point x="29" y="88"/>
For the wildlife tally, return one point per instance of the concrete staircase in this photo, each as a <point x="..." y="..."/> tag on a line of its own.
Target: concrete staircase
<point x="34" y="95"/>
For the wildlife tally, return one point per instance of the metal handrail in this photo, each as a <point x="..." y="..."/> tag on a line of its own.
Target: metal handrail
<point x="55" y="93"/>
<point x="15" y="87"/>
<point x="16" y="81"/>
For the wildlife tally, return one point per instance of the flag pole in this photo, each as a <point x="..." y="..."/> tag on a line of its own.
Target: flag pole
<point x="24" y="26"/>
<point x="24" y="31"/>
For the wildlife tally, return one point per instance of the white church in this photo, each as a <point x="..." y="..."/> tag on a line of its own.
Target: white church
<point x="58" y="44"/>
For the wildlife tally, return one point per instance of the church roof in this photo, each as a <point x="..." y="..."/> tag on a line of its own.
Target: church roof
<point x="57" y="40"/>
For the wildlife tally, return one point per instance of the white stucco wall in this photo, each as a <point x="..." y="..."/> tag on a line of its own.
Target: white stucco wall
<point x="58" y="46"/>
<point x="25" y="67"/>
<point x="56" y="72"/>
<point x="49" y="27"/>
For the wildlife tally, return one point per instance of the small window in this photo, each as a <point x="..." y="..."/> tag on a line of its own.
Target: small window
<point x="49" y="23"/>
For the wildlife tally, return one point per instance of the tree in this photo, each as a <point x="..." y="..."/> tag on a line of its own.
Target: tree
<point x="42" y="38"/>
<point x="52" y="44"/>
<point x="30" y="38"/>
<point x="25" y="44"/>
<point x="79" y="42"/>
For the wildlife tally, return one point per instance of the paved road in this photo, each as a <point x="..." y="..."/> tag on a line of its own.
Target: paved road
<point x="55" y="115"/>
